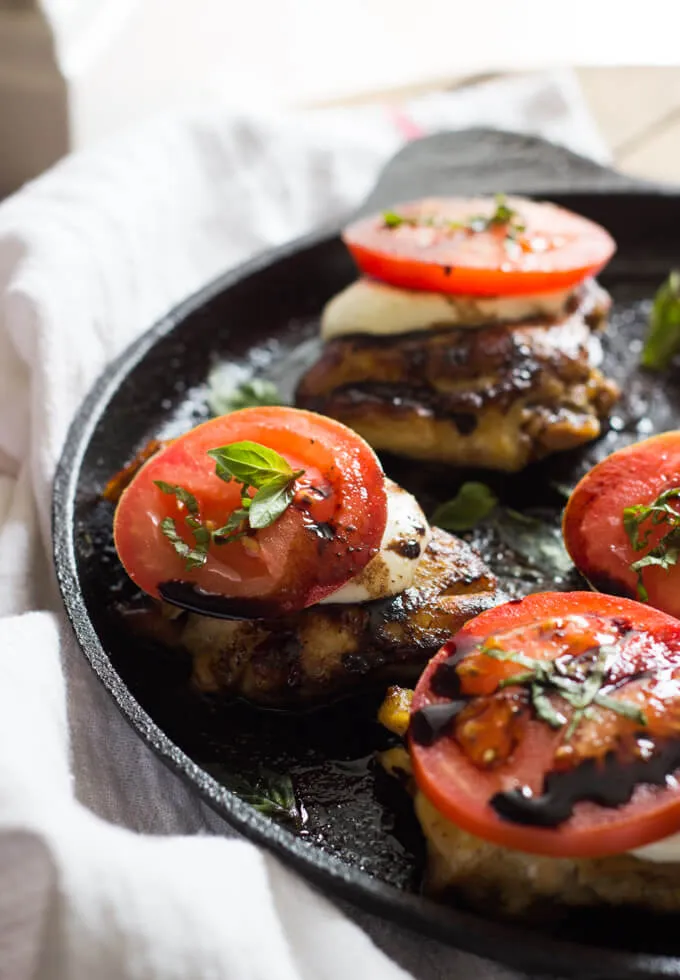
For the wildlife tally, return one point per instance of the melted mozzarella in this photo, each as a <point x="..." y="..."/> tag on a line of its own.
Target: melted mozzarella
<point x="370" y="307"/>
<point x="667" y="849"/>
<point x="406" y="537"/>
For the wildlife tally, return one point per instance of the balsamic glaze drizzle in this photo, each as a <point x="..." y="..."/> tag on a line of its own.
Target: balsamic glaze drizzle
<point x="445" y="681"/>
<point x="434" y="720"/>
<point x="609" y="783"/>
<point x="407" y="549"/>
<point x="187" y="595"/>
<point x="324" y="531"/>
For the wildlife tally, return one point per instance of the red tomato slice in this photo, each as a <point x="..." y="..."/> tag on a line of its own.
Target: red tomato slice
<point x="593" y="520"/>
<point x="323" y="539"/>
<point x="556" y="250"/>
<point x="498" y="749"/>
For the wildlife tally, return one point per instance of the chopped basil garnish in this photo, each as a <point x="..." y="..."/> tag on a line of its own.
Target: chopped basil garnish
<point x="194" y="557"/>
<point x="502" y="216"/>
<point x="255" y="467"/>
<point x="568" y="681"/>
<point x="663" y="334"/>
<point x="659" y="513"/>
<point x="392" y="219"/>
<point x="182" y="495"/>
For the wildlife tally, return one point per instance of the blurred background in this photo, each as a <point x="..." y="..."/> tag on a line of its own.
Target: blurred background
<point x="75" y="71"/>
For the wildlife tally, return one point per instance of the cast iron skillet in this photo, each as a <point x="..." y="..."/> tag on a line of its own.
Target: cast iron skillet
<point x="359" y="840"/>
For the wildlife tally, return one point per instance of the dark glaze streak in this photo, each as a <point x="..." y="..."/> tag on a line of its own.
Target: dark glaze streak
<point x="445" y="681"/>
<point x="407" y="549"/>
<point x="311" y="494"/>
<point x="610" y="784"/>
<point x="433" y="721"/>
<point x="611" y="586"/>
<point x="186" y="595"/>
<point x="465" y="422"/>
<point x="393" y="609"/>
<point x="324" y="531"/>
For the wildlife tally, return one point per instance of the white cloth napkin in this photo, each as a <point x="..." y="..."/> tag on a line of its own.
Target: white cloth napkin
<point x="110" y="867"/>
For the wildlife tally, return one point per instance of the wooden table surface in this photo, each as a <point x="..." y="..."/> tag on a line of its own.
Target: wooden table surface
<point x="637" y="111"/>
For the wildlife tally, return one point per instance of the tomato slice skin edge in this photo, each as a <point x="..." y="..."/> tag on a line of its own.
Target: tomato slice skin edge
<point x="555" y="251"/>
<point x="429" y="277"/>
<point x="437" y="767"/>
<point x="593" y="519"/>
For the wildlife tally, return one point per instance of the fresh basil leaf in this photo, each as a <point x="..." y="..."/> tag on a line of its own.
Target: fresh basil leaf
<point x="249" y="394"/>
<point x="250" y="463"/>
<point x="538" y="543"/>
<point x="662" y="342"/>
<point x="182" y="495"/>
<point x="274" y="795"/>
<point x="268" y="792"/>
<point x="472" y="503"/>
<point x="271" y="501"/>
<point x="194" y="557"/>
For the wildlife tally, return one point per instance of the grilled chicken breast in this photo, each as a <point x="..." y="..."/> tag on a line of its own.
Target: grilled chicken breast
<point x="328" y="649"/>
<point x="499" y="396"/>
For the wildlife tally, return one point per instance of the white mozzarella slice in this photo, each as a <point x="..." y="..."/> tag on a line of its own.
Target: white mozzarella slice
<point x="370" y="307"/>
<point x="406" y="537"/>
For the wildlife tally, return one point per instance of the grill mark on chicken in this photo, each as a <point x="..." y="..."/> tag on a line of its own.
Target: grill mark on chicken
<point x="327" y="650"/>
<point x="500" y="397"/>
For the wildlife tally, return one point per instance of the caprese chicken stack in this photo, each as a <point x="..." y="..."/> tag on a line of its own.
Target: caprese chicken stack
<point x="471" y="336"/>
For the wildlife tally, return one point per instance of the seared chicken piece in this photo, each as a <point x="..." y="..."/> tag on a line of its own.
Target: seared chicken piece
<point x="328" y="649"/>
<point x="519" y="884"/>
<point x="489" y="877"/>
<point x="498" y="397"/>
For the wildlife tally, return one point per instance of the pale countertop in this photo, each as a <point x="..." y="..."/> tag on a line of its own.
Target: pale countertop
<point x="638" y="113"/>
<point x="636" y="109"/>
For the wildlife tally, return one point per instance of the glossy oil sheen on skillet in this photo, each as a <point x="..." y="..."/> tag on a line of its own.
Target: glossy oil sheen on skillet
<point x="355" y="836"/>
